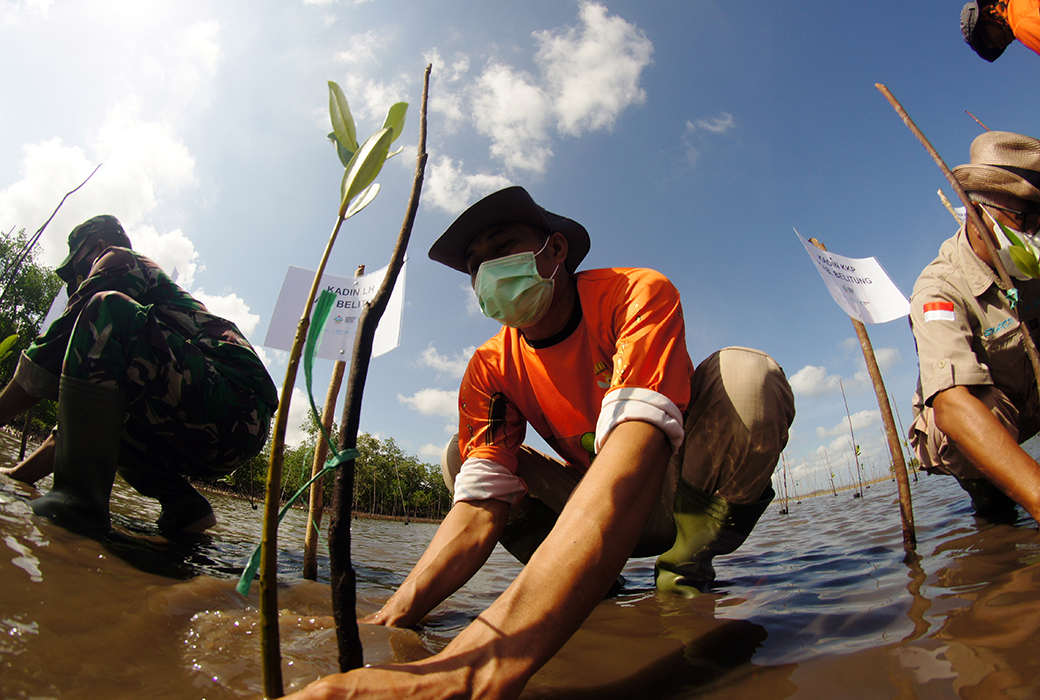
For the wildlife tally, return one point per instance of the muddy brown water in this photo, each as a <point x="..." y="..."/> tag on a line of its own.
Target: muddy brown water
<point x="819" y="603"/>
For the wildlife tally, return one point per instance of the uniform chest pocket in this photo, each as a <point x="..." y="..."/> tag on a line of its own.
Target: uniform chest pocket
<point x="1002" y="346"/>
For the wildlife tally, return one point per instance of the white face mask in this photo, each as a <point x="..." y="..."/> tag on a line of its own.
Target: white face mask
<point x="1004" y="253"/>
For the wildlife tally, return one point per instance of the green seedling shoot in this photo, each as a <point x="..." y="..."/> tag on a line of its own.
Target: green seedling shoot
<point x="362" y="164"/>
<point x="1022" y="255"/>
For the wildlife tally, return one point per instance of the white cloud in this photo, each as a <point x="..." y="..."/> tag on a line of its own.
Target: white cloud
<point x="695" y="132"/>
<point x="593" y="72"/>
<point x="172" y="251"/>
<point x="449" y="189"/>
<point x="370" y="100"/>
<point x="363" y="48"/>
<point x="717" y="125"/>
<point x="433" y="402"/>
<point x="860" y="421"/>
<point x="431" y="450"/>
<point x="13" y="11"/>
<point x="447" y="95"/>
<point x="813" y="381"/>
<point x="298" y="408"/>
<point x="198" y="55"/>
<point x="887" y="358"/>
<point x="231" y="307"/>
<point x="472" y="303"/>
<point x="453" y="366"/>
<point x="514" y="113"/>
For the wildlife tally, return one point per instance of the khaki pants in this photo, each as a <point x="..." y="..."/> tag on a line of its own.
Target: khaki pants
<point x="940" y="455"/>
<point x="736" y="427"/>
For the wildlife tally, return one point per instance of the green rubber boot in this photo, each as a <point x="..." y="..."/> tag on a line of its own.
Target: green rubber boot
<point x="989" y="501"/>
<point x="90" y="429"/>
<point x="184" y="510"/>
<point x="705" y="526"/>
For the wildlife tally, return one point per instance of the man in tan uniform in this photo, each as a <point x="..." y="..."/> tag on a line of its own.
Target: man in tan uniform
<point x="976" y="400"/>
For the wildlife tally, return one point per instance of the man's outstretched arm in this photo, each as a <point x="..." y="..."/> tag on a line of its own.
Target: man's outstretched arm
<point x="464" y="541"/>
<point x="983" y="439"/>
<point x="565" y="579"/>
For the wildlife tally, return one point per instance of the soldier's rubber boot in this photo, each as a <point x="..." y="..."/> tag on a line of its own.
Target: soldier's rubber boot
<point x="184" y="509"/>
<point x="706" y="526"/>
<point x="90" y="429"/>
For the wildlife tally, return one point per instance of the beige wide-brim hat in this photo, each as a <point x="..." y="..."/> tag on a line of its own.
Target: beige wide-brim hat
<point x="511" y="205"/>
<point x="1005" y="163"/>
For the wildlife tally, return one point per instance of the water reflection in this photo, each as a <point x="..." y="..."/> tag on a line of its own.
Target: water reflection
<point x="819" y="601"/>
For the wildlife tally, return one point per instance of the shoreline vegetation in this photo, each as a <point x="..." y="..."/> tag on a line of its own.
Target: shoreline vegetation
<point x="388" y="484"/>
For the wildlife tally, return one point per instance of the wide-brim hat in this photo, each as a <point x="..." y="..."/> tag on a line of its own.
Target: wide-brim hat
<point x="972" y="31"/>
<point x="1004" y="163"/>
<point x="98" y="224"/>
<point x="511" y="205"/>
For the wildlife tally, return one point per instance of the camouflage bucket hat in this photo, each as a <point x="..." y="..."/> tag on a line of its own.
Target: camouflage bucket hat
<point x="79" y="235"/>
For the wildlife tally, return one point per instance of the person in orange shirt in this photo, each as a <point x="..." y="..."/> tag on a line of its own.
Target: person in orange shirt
<point x="657" y="458"/>
<point x="989" y="26"/>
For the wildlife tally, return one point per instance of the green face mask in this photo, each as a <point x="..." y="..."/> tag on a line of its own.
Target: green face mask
<point x="511" y="291"/>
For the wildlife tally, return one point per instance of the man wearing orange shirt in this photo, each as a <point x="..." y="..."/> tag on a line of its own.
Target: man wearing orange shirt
<point x="657" y="458"/>
<point x="989" y="26"/>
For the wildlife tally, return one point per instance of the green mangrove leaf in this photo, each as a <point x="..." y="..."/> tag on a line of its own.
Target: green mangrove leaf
<point x="342" y="121"/>
<point x="365" y="166"/>
<point x="1022" y="255"/>
<point x="1015" y="241"/>
<point x="344" y="154"/>
<point x="5" y="347"/>
<point x="362" y="200"/>
<point x="1025" y="260"/>
<point x="395" y="119"/>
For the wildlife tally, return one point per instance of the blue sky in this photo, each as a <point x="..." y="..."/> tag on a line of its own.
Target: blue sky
<point x="688" y="136"/>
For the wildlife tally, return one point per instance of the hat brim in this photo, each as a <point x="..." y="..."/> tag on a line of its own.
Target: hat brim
<point x="991" y="178"/>
<point x="511" y="205"/>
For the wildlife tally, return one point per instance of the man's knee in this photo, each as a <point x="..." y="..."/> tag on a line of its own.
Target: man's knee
<point x="756" y="387"/>
<point x="451" y="463"/>
<point x="741" y="410"/>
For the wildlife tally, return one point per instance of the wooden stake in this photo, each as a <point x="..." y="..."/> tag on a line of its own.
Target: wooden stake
<point x="906" y="509"/>
<point x="321" y="452"/>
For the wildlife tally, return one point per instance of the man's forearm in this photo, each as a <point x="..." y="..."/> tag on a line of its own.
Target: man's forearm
<point x="464" y="541"/>
<point x="989" y="446"/>
<point x="573" y="569"/>
<point x="565" y="579"/>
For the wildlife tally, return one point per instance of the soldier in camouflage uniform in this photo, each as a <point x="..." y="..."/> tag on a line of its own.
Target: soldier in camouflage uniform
<point x="148" y="382"/>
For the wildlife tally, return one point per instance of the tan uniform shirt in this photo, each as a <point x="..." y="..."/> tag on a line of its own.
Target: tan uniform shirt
<point x="965" y="330"/>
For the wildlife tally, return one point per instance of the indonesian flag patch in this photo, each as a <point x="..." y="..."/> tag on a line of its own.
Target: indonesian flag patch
<point x="939" y="311"/>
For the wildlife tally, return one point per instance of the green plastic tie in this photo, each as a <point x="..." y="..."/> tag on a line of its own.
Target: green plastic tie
<point x="1012" y="295"/>
<point x="321" y="314"/>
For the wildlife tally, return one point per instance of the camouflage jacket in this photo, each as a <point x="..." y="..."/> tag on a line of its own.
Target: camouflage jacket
<point x="123" y="270"/>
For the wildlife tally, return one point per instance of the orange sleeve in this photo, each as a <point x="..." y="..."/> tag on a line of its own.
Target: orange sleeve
<point x="490" y="426"/>
<point x="1024" y="18"/>
<point x="650" y="352"/>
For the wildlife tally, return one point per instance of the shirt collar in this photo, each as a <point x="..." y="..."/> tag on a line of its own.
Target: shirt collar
<point x="979" y="275"/>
